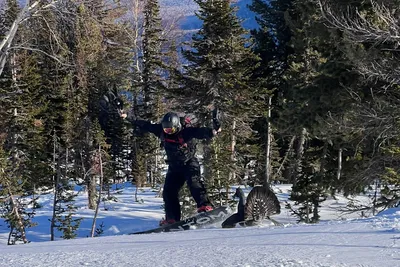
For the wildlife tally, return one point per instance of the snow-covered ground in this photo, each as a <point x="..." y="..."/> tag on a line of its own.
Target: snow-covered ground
<point x="337" y="241"/>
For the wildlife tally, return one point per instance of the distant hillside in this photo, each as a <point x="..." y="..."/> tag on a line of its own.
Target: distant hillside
<point x="191" y="22"/>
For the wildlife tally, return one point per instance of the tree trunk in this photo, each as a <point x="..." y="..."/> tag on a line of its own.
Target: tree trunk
<point x="91" y="183"/>
<point x="290" y="147"/>
<point x="99" y="195"/>
<point x="232" y="174"/>
<point x="92" y="191"/>
<point x="8" y="38"/>
<point x="340" y="159"/>
<point x="28" y="10"/>
<point x="375" y="198"/>
<point x="267" y="170"/>
<point x="298" y="168"/>
<point x="217" y="175"/>
<point x="55" y="188"/>
<point x="18" y="217"/>
<point x="53" y="218"/>
<point x="136" y="193"/>
<point x="315" y="218"/>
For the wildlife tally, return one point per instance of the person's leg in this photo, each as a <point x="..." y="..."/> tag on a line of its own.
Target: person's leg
<point x="196" y="184"/>
<point x="173" y="183"/>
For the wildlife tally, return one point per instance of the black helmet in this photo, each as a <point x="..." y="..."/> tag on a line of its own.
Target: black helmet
<point x="171" y="123"/>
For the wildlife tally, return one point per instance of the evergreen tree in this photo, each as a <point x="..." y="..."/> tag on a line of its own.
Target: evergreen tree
<point x="152" y="82"/>
<point x="220" y="64"/>
<point x="317" y="79"/>
<point x="22" y="106"/>
<point x="150" y="92"/>
<point x="272" y="40"/>
<point x="375" y="148"/>
<point x="272" y="44"/>
<point x="8" y="15"/>
<point x="13" y="207"/>
<point x="102" y="58"/>
<point x="64" y="198"/>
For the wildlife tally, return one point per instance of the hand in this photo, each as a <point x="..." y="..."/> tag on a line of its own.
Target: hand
<point x="129" y="116"/>
<point x="215" y="132"/>
<point x="123" y="115"/>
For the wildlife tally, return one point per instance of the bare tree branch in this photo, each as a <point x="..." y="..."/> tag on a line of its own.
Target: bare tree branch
<point x="43" y="52"/>
<point x="381" y="30"/>
<point x="359" y="28"/>
<point x="29" y="10"/>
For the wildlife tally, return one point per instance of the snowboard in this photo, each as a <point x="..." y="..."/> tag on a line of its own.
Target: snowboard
<point x="198" y="221"/>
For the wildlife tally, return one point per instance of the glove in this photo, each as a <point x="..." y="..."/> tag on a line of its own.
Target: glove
<point x="216" y="125"/>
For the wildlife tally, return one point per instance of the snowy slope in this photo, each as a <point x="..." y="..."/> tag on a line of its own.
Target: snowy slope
<point x="336" y="241"/>
<point x="368" y="242"/>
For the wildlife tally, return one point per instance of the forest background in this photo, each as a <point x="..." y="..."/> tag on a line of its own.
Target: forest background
<point x="307" y="97"/>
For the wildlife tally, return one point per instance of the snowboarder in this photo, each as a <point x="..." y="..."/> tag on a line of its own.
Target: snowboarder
<point x="183" y="166"/>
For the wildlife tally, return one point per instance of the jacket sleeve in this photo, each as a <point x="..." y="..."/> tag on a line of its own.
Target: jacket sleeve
<point x="199" y="132"/>
<point x="147" y="127"/>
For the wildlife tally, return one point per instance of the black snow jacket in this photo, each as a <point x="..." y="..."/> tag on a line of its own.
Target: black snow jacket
<point x="179" y="147"/>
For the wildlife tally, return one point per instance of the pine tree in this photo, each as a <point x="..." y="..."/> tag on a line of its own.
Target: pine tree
<point x="220" y="64"/>
<point x="152" y="83"/>
<point x="102" y="58"/>
<point x="151" y="88"/>
<point x="377" y="61"/>
<point x="102" y="158"/>
<point x="13" y="207"/>
<point x="272" y="40"/>
<point x="317" y="78"/>
<point x="8" y="16"/>
<point x="64" y="201"/>
<point x="22" y="106"/>
<point x="272" y="44"/>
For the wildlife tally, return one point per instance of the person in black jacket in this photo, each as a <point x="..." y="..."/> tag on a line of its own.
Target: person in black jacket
<point x="183" y="165"/>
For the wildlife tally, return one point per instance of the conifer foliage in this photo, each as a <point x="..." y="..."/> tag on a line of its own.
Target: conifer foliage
<point x="14" y="207"/>
<point x="272" y="44"/>
<point x="149" y="90"/>
<point x="309" y="97"/>
<point x="217" y="76"/>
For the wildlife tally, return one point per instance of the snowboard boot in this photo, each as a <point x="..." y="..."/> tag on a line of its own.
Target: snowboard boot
<point x="167" y="222"/>
<point x="204" y="209"/>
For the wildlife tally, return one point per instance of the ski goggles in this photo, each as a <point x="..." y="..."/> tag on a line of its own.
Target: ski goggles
<point x="169" y="130"/>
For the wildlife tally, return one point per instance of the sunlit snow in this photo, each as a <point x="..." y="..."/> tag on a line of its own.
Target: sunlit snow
<point x="338" y="240"/>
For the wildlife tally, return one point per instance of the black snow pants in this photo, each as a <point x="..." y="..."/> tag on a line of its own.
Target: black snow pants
<point x="177" y="175"/>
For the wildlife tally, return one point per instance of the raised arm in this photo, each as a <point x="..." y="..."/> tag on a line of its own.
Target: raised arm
<point x="146" y="126"/>
<point x="200" y="132"/>
<point x="205" y="132"/>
